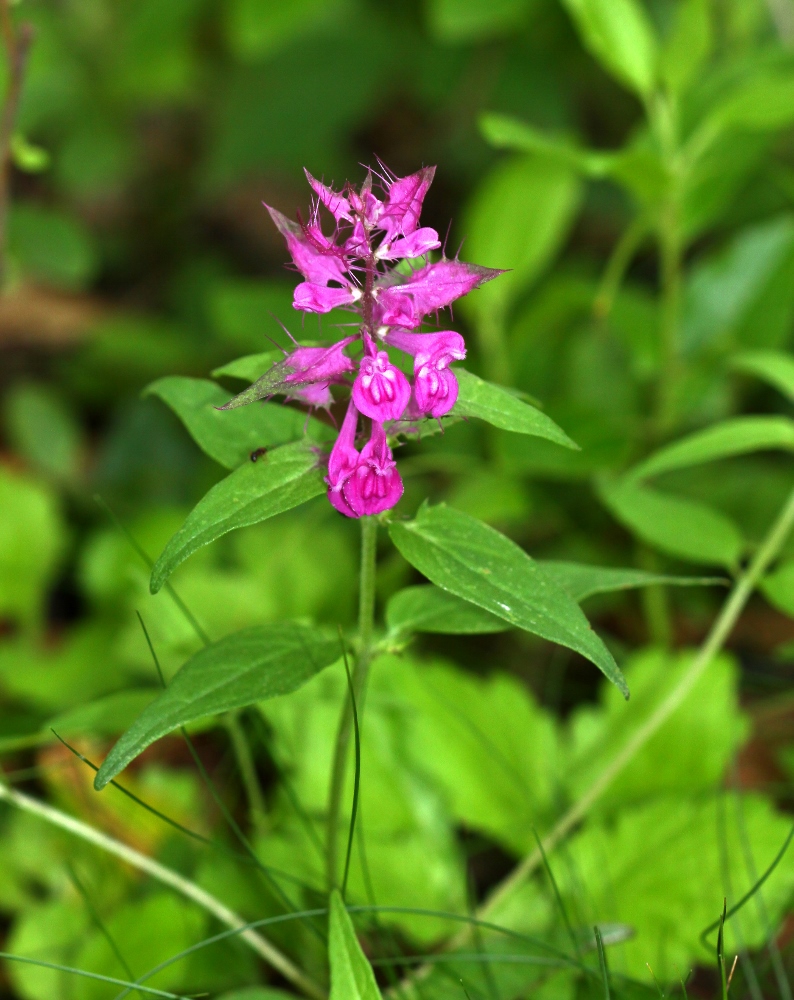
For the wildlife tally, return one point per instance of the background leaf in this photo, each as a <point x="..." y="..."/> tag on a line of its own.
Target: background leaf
<point x="683" y="528"/>
<point x="774" y="367"/>
<point x="426" y="608"/>
<point x="241" y="669"/>
<point x="737" y="436"/>
<point x="284" y="478"/>
<point x="581" y="580"/>
<point x="475" y="562"/>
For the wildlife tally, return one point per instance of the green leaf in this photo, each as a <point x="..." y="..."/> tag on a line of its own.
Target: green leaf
<point x="774" y="367"/>
<point x="688" y="46"/>
<point x="230" y="437"/>
<point x="426" y="608"/>
<point x="764" y="101"/>
<point x="499" y="407"/>
<point x="517" y="219"/>
<point x="32" y="538"/>
<point x="506" y="132"/>
<point x="352" y="977"/>
<point x="27" y="156"/>
<point x="475" y="562"/>
<point x="45" y="431"/>
<point x="284" y="478"/>
<point x="736" y="436"/>
<point x="260" y="28"/>
<point x="582" y="581"/>
<point x="778" y="588"/>
<point x="460" y="21"/>
<point x="682" y="528"/>
<point x="619" y="35"/>
<point x="51" y="247"/>
<point x="249" y="367"/>
<point x="243" y="668"/>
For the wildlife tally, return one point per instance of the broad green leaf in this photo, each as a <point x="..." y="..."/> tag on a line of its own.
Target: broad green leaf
<point x="689" y="753"/>
<point x="51" y="247"/>
<point x="32" y="539"/>
<point x="506" y="132"/>
<point x="582" y="581"/>
<point x="249" y="367"/>
<point x="778" y="587"/>
<point x="682" y="528"/>
<point x="243" y="668"/>
<point x="517" y="219"/>
<point x="664" y="869"/>
<point x="284" y="478"/>
<point x="743" y="294"/>
<point x="774" y="367"/>
<point x="736" y="436"/>
<point x="501" y="408"/>
<point x="491" y="747"/>
<point x="688" y="46"/>
<point x="426" y="608"/>
<point x="475" y="562"/>
<point x="460" y="21"/>
<point x="620" y="36"/>
<point x="352" y="977"/>
<point x="765" y="101"/>
<point x="230" y="436"/>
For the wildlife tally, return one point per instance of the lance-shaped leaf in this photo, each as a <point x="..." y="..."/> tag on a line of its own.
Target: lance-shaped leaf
<point x="250" y="366"/>
<point x="506" y="132"/>
<point x="774" y="367"/>
<point x="737" y="436"/>
<point x="582" y="581"/>
<point x="475" y="562"/>
<point x="682" y="528"/>
<point x="284" y="478"/>
<point x="240" y="669"/>
<point x="230" y="438"/>
<point x="352" y="977"/>
<point x="501" y="408"/>
<point x="273" y="381"/>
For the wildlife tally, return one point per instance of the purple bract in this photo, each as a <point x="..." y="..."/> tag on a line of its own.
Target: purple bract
<point x="348" y="270"/>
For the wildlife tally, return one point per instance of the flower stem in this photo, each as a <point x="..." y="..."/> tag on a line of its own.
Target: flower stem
<point x="366" y="628"/>
<point x="269" y="952"/>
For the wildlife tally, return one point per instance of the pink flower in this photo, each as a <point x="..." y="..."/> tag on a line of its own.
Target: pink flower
<point x="403" y="206"/>
<point x="375" y="485"/>
<point x="435" y="386"/>
<point x="380" y="390"/>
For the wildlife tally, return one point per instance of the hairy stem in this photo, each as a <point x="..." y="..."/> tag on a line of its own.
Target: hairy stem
<point x="168" y="877"/>
<point x="712" y="644"/>
<point x="366" y="628"/>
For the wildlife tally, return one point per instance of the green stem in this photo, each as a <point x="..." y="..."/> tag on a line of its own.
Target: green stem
<point x="712" y="644"/>
<point x="622" y="255"/>
<point x="366" y="629"/>
<point x="245" y="762"/>
<point x="168" y="877"/>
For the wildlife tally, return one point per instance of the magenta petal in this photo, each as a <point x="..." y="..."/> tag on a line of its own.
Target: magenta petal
<point x="336" y="204"/>
<point x="319" y="260"/>
<point x="319" y="364"/>
<point x="445" y="345"/>
<point x="403" y="205"/>
<point x="415" y="245"/>
<point x="319" y="299"/>
<point x="342" y="462"/>
<point x="380" y="390"/>
<point x="337" y="499"/>
<point x="435" y="390"/>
